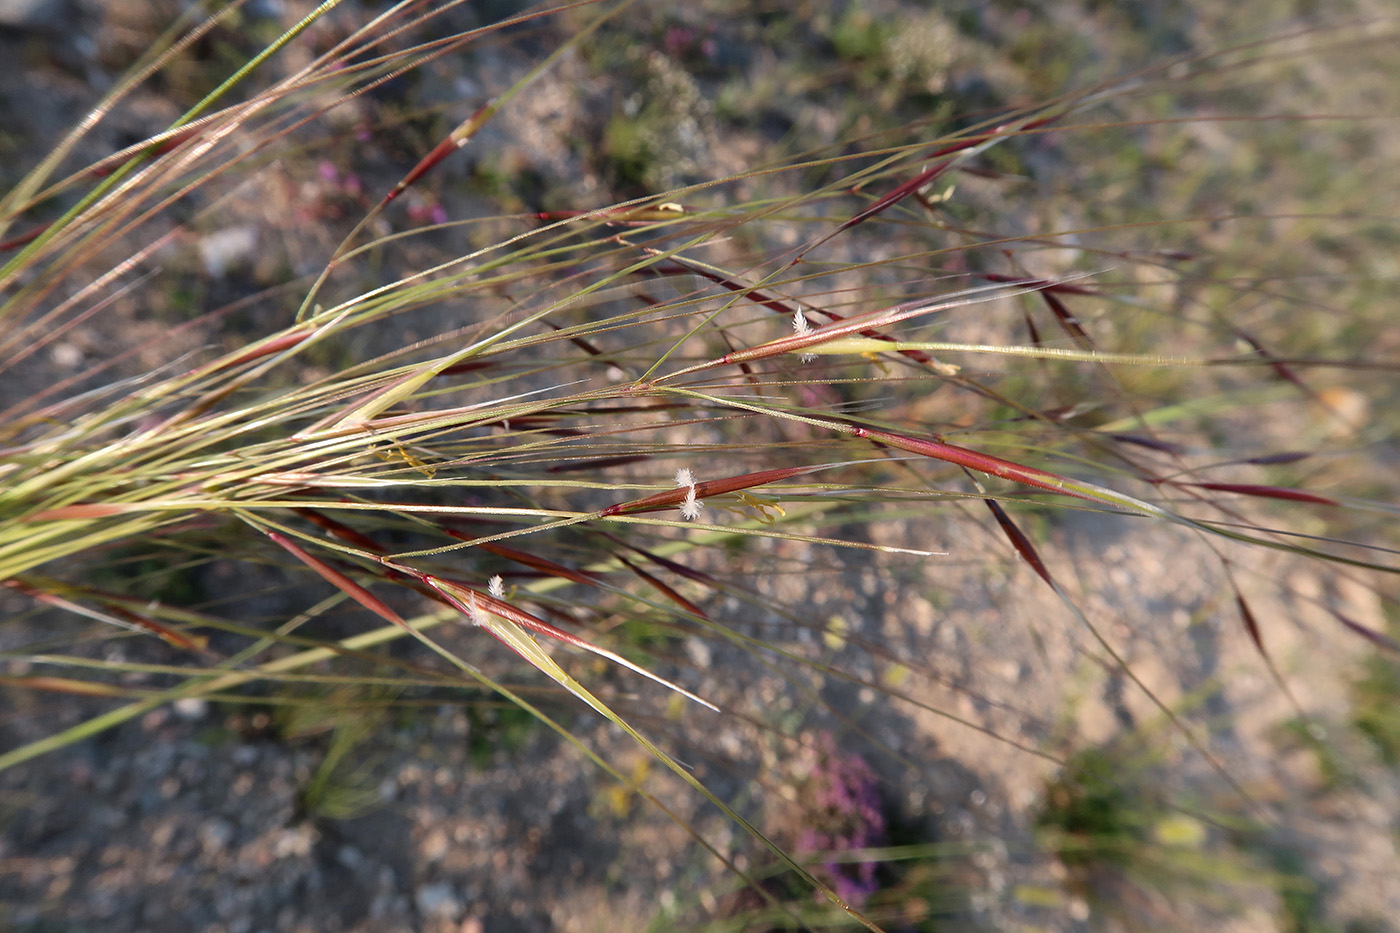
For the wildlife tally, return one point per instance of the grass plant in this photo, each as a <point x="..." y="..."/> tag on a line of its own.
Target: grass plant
<point x="604" y="430"/>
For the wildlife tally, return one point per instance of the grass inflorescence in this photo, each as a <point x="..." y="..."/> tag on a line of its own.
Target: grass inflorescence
<point x="646" y="426"/>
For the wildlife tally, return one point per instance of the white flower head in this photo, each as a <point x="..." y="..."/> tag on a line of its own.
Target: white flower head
<point x="690" y="508"/>
<point x="474" y="612"/>
<point x="801" y="328"/>
<point x="497" y="587"/>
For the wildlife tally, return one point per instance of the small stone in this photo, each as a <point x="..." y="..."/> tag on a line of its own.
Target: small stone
<point x="437" y="900"/>
<point x="67" y="355"/>
<point x="34" y="14"/>
<point x="699" y="653"/>
<point x="224" y="249"/>
<point x="214" y="837"/>
<point x="435" y="844"/>
<point x="191" y="708"/>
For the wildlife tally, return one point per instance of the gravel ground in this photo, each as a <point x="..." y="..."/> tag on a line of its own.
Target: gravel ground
<point x="176" y="823"/>
<point x="196" y="817"/>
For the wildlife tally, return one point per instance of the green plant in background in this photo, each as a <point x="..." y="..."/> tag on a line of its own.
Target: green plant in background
<point x="340" y="787"/>
<point x="597" y="422"/>
<point x="1102" y="819"/>
<point x="1376" y="714"/>
<point x="1133" y="853"/>
<point x="1334" y="770"/>
<point x="497" y="727"/>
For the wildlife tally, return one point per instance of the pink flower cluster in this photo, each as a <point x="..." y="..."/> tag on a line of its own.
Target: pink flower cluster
<point x="338" y="194"/>
<point x="842" y="812"/>
<point x="685" y="42"/>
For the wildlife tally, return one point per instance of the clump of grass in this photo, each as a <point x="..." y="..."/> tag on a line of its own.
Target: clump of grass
<point x="564" y="423"/>
<point x="1101" y="818"/>
<point x="340" y="787"/>
<point x="1135" y="852"/>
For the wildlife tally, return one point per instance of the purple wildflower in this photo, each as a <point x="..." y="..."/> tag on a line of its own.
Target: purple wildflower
<point x="843" y="814"/>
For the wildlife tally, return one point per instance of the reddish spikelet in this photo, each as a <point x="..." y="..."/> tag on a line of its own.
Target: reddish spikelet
<point x="929" y="174"/>
<point x="1151" y="443"/>
<point x="778" y="306"/>
<point x="903" y="191"/>
<point x="665" y="589"/>
<point x="1068" y="322"/>
<point x="680" y="266"/>
<point x="352" y="589"/>
<point x="1031" y="329"/>
<point x="454" y="141"/>
<point x="258" y="351"/>
<point x="973" y="460"/>
<point x="1283" y="371"/>
<point x="1039" y="285"/>
<point x="1376" y="638"/>
<point x="28" y="236"/>
<point x="791" y="344"/>
<point x="653" y="503"/>
<point x="477" y="606"/>
<point x="714" y="487"/>
<point x="1267" y="492"/>
<point x="1251" y="624"/>
<point x="81" y="510"/>
<point x="340" y="530"/>
<point x="479" y="601"/>
<point x="154" y="151"/>
<point x="666" y="562"/>
<point x="1019" y="541"/>
<point x="678" y="568"/>
<point x="164" y="632"/>
<point x="1292" y="456"/>
<point x="579" y="342"/>
<point x="542" y="564"/>
<point x="470" y="366"/>
<point x="170" y="636"/>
